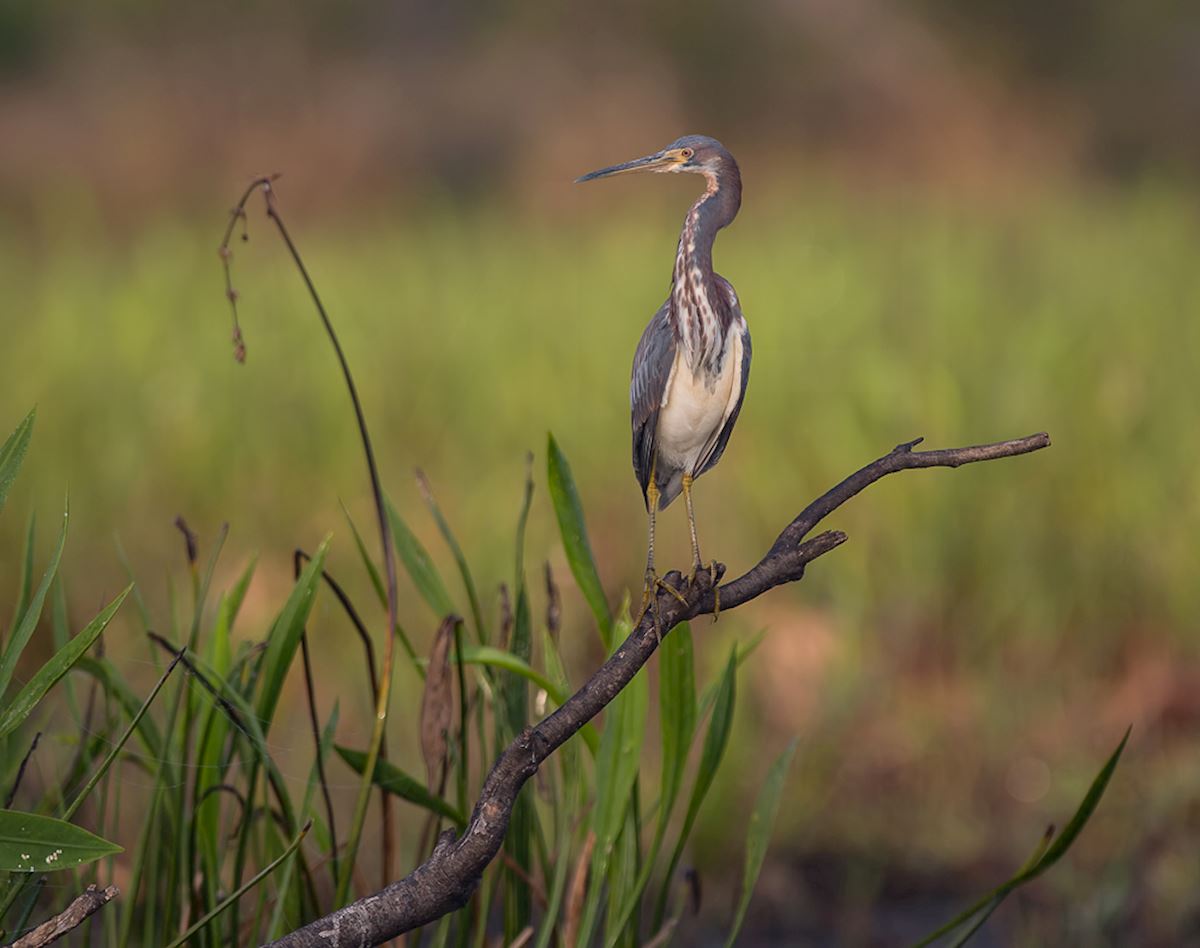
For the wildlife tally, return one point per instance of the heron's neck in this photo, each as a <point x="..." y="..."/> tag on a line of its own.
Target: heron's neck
<point x="701" y="312"/>
<point x="714" y="209"/>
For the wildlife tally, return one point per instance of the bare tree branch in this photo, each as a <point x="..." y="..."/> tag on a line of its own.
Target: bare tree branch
<point x="75" y="914"/>
<point x="445" y="881"/>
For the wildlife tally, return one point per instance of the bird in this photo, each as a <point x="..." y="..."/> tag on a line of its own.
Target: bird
<point x="692" y="364"/>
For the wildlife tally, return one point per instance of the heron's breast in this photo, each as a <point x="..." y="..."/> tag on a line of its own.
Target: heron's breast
<point x="694" y="407"/>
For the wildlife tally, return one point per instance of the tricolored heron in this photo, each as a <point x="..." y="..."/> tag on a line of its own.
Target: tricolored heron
<point x="692" y="365"/>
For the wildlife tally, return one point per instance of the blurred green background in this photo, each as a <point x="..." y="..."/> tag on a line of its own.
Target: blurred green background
<point x="962" y="222"/>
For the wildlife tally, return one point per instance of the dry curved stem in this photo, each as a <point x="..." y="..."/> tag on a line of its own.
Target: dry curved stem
<point x="265" y="186"/>
<point x="445" y="881"/>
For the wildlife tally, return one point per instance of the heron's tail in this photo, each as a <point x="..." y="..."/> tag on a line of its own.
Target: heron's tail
<point x="670" y="489"/>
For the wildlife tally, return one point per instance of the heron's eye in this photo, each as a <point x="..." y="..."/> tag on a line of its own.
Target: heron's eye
<point x="686" y="153"/>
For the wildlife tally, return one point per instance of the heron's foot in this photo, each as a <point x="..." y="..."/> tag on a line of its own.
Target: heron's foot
<point x="650" y="600"/>
<point x="714" y="576"/>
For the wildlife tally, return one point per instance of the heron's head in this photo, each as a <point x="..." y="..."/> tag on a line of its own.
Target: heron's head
<point x="696" y="154"/>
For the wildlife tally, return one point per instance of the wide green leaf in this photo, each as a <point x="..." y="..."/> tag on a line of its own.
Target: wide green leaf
<point x="45" y="677"/>
<point x="762" y="821"/>
<point x="569" y="510"/>
<point x="33" y="612"/>
<point x="498" y="658"/>
<point x="32" y="843"/>
<point x="419" y="566"/>
<point x="12" y="453"/>
<point x="389" y="777"/>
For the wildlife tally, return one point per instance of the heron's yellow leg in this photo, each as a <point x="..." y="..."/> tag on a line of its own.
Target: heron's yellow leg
<point x="687" y="499"/>
<point x="653" y="583"/>
<point x="697" y="563"/>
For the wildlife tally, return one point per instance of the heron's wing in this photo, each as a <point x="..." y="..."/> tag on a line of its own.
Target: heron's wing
<point x="714" y="449"/>
<point x="652" y="364"/>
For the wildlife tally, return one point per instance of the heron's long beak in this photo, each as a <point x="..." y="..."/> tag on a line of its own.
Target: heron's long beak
<point x="656" y="162"/>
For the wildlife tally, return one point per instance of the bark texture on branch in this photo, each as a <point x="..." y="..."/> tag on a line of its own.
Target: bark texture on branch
<point x="445" y="881"/>
<point x="79" y="911"/>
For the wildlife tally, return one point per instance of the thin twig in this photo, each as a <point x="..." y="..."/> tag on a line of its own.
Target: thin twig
<point x="16" y="785"/>
<point x="359" y="627"/>
<point x="445" y="881"/>
<point x="91" y="901"/>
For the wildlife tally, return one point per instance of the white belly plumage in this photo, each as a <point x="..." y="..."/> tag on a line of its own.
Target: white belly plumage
<point x="695" y="408"/>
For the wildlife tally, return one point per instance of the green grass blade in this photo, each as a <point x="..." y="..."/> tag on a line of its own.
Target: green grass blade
<point x="25" y="585"/>
<point x="118" y="690"/>
<point x="677" y="719"/>
<point x="1059" y="846"/>
<point x="285" y="635"/>
<point x="12" y="453"/>
<point x="762" y="820"/>
<point x="569" y="511"/>
<point x="33" y="612"/>
<point x="677" y="713"/>
<point x="116" y="748"/>
<point x="377" y="584"/>
<point x="45" y="677"/>
<point x="244" y="888"/>
<point x="419" y="566"/>
<point x="231" y="605"/>
<point x="324" y="745"/>
<point x="1037" y="865"/>
<point x="622" y="878"/>
<point x="456" y="551"/>
<point x="979" y="922"/>
<point x="514" y="709"/>
<point x="743" y="651"/>
<point x="368" y="561"/>
<point x="558" y="885"/>
<point x="32" y="843"/>
<point x="715" y="741"/>
<point x="522" y="523"/>
<point x="616" y="772"/>
<point x="389" y="777"/>
<point x="60" y="633"/>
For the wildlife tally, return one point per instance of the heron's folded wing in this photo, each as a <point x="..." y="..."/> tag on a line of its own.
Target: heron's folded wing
<point x="714" y="450"/>
<point x="652" y="364"/>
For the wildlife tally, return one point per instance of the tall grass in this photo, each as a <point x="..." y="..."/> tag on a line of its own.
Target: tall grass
<point x="216" y="851"/>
